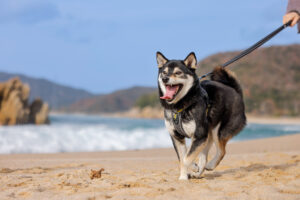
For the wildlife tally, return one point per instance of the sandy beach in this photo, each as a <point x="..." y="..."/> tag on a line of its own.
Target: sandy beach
<point x="256" y="169"/>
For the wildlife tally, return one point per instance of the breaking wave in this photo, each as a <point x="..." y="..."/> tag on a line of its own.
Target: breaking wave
<point x="76" y="133"/>
<point x="84" y="133"/>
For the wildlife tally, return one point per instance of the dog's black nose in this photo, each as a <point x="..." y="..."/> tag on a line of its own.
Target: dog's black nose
<point x="165" y="79"/>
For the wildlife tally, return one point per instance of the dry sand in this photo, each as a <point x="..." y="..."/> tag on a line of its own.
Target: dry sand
<point x="257" y="169"/>
<point x="273" y="120"/>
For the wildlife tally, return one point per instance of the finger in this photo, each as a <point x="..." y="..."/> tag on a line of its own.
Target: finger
<point x="295" y="20"/>
<point x="284" y="19"/>
<point x="287" y="18"/>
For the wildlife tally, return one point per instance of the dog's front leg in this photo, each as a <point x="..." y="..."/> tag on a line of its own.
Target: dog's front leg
<point x="180" y="148"/>
<point x="197" y="145"/>
<point x="203" y="156"/>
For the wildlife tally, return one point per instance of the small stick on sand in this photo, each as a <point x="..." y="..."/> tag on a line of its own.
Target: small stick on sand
<point x="96" y="173"/>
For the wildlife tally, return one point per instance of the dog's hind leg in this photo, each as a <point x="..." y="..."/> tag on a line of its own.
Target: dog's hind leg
<point x="220" y="147"/>
<point x="197" y="145"/>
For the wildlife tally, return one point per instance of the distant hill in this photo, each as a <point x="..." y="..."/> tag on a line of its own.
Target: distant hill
<point x="121" y="100"/>
<point x="270" y="78"/>
<point x="55" y="94"/>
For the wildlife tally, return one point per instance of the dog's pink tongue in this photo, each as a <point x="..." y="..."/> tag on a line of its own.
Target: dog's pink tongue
<point x="170" y="92"/>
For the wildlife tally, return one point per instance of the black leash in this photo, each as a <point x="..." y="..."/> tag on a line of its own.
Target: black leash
<point x="252" y="48"/>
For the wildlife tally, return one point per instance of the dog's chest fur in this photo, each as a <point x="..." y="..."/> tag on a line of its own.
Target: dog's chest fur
<point x="184" y="127"/>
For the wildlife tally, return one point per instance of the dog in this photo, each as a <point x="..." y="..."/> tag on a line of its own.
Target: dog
<point x="210" y="111"/>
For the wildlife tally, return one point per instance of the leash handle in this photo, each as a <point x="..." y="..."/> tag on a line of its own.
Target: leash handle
<point x="252" y="48"/>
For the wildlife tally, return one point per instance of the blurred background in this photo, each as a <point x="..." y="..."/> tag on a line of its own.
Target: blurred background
<point x="92" y="65"/>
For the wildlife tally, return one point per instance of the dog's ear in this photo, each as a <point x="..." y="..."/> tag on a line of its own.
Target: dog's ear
<point x="161" y="59"/>
<point x="191" y="61"/>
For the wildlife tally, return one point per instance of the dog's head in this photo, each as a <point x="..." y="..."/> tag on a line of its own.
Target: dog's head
<point x="175" y="77"/>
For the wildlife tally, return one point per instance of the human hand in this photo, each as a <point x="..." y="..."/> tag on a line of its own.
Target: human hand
<point x="294" y="16"/>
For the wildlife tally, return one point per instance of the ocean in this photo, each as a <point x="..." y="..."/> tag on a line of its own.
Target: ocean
<point x="76" y="133"/>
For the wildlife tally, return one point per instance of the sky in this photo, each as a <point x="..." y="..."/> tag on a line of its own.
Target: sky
<point x="102" y="46"/>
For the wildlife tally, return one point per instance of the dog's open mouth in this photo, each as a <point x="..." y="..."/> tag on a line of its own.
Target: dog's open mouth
<point x="171" y="92"/>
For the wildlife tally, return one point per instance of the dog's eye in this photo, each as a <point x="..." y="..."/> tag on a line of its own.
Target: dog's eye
<point x="178" y="73"/>
<point x="164" y="73"/>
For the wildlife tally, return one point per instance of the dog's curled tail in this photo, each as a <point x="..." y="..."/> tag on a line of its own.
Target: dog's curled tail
<point x="225" y="76"/>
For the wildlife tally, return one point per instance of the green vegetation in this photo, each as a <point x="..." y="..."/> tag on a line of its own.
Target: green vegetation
<point x="151" y="100"/>
<point x="273" y="102"/>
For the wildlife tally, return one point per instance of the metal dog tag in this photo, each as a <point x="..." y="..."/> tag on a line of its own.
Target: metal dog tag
<point x="176" y="118"/>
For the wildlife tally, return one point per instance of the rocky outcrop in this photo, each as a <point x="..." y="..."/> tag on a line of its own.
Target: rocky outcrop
<point x="14" y="106"/>
<point x="39" y="112"/>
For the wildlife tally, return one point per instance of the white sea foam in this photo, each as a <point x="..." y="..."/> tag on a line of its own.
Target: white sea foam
<point x="73" y="138"/>
<point x="69" y="133"/>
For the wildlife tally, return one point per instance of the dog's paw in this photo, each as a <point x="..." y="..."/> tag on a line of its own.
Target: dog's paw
<point x="183" y="177"/>
<point x="195" y="175"/>
<point x="195" y="167"/>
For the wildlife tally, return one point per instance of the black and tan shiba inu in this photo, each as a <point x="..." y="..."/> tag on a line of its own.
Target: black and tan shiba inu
<point x="208" y="111"/>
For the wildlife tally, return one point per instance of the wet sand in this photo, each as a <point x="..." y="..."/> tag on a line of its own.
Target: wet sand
<point x="257" y="169"/>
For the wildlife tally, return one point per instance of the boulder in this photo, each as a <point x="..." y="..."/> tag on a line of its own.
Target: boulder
<point x="14" y="106"/>
<point x="39" y="112"/>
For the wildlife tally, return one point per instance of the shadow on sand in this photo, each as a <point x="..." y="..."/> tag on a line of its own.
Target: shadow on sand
<point x="251" y="168"/>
